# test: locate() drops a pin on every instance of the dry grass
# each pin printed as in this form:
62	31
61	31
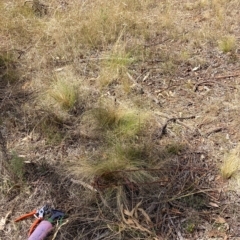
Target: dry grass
94	70
228	44
231	163
118	30
115	65
64	94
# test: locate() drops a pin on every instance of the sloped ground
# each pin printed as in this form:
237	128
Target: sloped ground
195	101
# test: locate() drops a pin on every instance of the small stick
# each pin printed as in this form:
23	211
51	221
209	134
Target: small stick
215	130
55	234
211	82
163	130
228	76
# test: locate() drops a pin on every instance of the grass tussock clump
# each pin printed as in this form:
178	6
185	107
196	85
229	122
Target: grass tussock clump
231	163
120	130
64	94
227	44
115	65
115	121
115	163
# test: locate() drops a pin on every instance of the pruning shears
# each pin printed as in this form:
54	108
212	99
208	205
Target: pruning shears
38	214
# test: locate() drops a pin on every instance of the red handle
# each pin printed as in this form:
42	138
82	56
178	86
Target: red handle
34	225
25	216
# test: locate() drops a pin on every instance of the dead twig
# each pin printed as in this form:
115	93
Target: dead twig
228	76
212	82
193	193
215	130
163	130
22	52
55	234
207	83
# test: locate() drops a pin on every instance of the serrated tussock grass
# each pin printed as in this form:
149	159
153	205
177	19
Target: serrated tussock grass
231	163
117	120
120	130
227	44
112	161
63	93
